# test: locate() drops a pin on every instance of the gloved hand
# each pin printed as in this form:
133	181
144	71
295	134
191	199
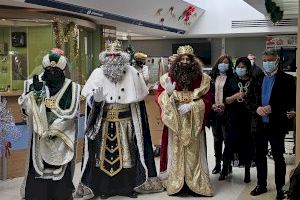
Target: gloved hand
98	95
185	108
169	86
37	85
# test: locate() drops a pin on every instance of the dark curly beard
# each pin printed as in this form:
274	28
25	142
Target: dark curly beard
185	74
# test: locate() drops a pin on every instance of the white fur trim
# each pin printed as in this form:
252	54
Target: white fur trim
62	62
133	85
138	130
71	112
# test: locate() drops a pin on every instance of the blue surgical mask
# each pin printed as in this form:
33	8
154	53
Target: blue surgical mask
241	71
223	67
269	66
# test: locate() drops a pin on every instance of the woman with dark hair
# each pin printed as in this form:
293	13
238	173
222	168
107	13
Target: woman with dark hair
238	116
222	79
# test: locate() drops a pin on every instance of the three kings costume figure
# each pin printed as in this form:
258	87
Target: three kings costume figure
118	155
184	98
50	102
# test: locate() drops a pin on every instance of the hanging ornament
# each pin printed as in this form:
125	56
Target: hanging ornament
162	21
158	12
171	11
187	13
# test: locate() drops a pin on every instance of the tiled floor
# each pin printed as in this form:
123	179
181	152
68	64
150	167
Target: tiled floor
231	189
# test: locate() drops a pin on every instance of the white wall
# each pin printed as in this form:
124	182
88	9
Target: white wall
160	48
235	46
242	46
219	14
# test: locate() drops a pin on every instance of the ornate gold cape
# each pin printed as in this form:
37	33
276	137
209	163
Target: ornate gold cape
188	162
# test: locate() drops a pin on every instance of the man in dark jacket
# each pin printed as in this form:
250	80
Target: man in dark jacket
274	96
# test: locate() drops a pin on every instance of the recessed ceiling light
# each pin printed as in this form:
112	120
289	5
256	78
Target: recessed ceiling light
164	36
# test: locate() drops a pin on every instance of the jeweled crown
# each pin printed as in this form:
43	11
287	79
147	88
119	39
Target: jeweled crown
187	49
112	46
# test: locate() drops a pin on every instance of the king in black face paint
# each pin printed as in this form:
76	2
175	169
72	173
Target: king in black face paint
54	78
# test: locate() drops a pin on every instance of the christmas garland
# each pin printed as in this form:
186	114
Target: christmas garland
275	13
65	32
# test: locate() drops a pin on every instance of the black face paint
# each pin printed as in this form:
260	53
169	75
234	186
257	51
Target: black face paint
139	63
54	78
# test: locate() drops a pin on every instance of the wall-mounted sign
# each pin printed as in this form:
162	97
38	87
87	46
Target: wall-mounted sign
18	39
281	41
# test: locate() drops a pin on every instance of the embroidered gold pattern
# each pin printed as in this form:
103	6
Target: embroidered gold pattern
50	102
187	139
111	157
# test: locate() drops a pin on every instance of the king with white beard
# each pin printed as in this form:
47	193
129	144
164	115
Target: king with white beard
116	160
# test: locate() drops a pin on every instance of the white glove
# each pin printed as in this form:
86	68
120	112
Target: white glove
98	95
145	73
184	108
169	86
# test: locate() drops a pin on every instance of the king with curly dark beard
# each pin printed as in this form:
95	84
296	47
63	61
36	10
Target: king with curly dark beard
184	97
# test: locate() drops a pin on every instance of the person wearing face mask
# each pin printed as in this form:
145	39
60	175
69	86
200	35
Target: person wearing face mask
51	103
255	70
273	97
222	77
184	98
140	59
238	117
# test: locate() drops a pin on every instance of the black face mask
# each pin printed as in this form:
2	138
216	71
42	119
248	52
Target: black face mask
139	63
54	78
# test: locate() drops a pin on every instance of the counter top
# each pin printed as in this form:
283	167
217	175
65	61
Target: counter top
11	93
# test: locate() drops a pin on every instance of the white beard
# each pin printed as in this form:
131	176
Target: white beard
114	73
114	69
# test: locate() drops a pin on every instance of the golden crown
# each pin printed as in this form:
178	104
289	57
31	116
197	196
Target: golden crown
140	56
112	46
187	49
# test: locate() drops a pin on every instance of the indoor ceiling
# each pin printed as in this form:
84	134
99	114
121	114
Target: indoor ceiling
289	7
145	11
136	13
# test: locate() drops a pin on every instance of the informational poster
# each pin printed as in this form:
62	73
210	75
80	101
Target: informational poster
281	41
157	66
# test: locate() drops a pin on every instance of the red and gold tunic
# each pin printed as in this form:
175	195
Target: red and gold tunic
183	152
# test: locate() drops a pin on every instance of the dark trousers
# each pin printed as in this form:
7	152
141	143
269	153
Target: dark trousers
276	139
218	129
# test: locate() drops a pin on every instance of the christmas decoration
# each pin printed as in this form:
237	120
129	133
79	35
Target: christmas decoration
275	13
8	129
162	21
187	14
171	11
64	32
158	12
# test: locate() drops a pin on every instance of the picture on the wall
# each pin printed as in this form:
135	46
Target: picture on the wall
19	66
18	39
